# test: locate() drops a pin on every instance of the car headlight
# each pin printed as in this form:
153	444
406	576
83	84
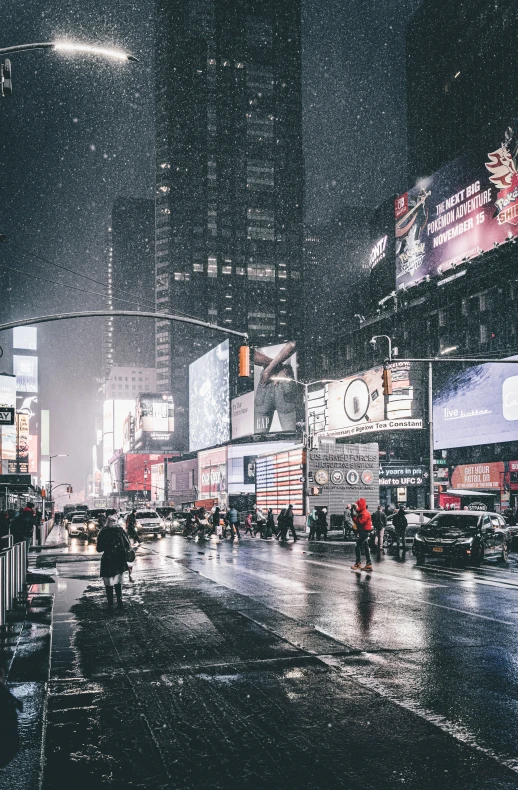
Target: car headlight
91	525
176	523
465	542
418	537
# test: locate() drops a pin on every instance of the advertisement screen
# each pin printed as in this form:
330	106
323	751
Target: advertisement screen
8	433
356	405
26	371
25	337
209	399
458	213
137	470
155	416
477	405
212	475
277	402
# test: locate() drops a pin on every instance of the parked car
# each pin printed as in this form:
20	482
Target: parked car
150	523
76	525
463	536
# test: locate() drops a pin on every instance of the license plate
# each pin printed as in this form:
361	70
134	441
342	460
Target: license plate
438	549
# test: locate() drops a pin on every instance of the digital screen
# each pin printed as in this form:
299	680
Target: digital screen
458	213
209	399
477	405
25	337
357	405
155	415
277	403
26	371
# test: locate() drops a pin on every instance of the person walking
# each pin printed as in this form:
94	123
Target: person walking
270	524
348	522
249	526
114	544
379	522
322	523
400	524
288	524
131	527
312	523
281	526
363	522
22	526
260	520
215	519
233	522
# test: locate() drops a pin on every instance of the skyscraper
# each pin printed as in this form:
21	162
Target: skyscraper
129	342
229	177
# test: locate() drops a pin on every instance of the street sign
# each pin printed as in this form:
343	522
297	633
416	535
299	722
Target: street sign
6	415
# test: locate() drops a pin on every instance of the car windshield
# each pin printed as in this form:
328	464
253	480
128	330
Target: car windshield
78	518
147	514
447	522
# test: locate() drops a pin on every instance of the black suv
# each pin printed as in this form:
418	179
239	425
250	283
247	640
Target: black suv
463	536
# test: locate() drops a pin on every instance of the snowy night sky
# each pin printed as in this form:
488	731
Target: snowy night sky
79	132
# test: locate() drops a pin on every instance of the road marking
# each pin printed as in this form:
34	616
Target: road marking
376	574
275	581
464	611
456	731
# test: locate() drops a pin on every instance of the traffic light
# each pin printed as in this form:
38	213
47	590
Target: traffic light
6	78
69	490
244	361
43	493
387	381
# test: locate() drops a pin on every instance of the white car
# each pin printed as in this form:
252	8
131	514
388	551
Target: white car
150	523
76	525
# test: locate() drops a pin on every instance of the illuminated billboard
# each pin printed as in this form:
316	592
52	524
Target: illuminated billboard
277	403
209	399
114	415
461	211
154	419
25	369
356	404
25	337
8	433
137	470
476	405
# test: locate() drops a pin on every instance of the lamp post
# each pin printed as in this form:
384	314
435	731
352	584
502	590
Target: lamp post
389	340
59	455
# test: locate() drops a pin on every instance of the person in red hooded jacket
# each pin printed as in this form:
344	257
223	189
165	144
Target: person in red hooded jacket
363	522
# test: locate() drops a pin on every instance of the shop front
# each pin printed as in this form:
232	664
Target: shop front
483	486
212	476
403	483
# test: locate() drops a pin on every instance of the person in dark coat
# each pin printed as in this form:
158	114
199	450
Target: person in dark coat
400	524
288	523
270	524
322	523
113	542
131	527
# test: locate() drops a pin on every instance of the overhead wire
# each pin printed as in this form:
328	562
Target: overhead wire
86	277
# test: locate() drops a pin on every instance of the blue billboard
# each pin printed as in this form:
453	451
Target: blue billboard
476	405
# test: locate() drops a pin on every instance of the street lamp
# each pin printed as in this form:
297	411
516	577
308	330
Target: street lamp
65	47
389	339
71	47
59	455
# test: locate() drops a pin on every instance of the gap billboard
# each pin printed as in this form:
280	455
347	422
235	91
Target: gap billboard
458	213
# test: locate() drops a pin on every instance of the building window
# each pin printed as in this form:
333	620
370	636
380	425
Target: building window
226	269
464	307
197	267
212	266
482	302
442	317
261	224
483	333
260	175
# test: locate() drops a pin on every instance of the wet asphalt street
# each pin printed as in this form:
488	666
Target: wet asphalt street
257	665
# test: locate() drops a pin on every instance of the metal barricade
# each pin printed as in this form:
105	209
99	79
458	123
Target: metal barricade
17	575
24	564
3	591
8	555
6	541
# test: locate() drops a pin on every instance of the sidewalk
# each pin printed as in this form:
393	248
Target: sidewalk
195	686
